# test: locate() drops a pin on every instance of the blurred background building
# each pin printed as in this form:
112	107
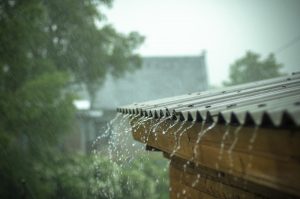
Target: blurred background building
158	77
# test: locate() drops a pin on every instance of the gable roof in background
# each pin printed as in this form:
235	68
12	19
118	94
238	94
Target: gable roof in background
158	77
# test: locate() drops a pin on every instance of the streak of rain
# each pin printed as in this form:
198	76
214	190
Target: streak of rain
230	150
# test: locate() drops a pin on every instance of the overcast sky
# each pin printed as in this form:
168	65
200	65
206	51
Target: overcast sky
226	29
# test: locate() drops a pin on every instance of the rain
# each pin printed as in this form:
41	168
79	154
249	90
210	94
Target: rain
149	99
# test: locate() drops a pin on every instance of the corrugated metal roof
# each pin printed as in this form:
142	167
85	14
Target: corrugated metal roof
274	102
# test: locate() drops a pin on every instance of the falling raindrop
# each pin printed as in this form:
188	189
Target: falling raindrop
176	137
177	145
195	149
160	122
222	145
236	138
200	135
106	132
197	180
250	154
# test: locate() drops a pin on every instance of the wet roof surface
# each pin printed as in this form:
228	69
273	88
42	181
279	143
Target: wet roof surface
274	103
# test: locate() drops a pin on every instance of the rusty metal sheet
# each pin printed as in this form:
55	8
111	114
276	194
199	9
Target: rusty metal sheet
274	103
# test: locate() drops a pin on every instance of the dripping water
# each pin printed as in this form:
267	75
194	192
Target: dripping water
140	121
172	125
114	139
250	146
250	154
222	145
146	130
121	150
133	118
195	149
200	135
111	132
106	132
177	145
153	129
177	137
232	146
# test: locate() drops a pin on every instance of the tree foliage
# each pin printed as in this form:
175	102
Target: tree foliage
250	68
46	46
89	52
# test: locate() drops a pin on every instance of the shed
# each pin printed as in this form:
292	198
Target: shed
237	142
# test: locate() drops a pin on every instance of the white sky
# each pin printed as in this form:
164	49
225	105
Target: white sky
224	28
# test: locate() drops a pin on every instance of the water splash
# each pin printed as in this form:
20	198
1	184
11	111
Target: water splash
133	118
124	154
112	153
106	133
118	140
121	147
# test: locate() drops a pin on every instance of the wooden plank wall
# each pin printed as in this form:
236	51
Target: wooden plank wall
266	157
190	184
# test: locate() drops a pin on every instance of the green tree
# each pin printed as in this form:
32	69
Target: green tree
46	46
89	51
250	68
